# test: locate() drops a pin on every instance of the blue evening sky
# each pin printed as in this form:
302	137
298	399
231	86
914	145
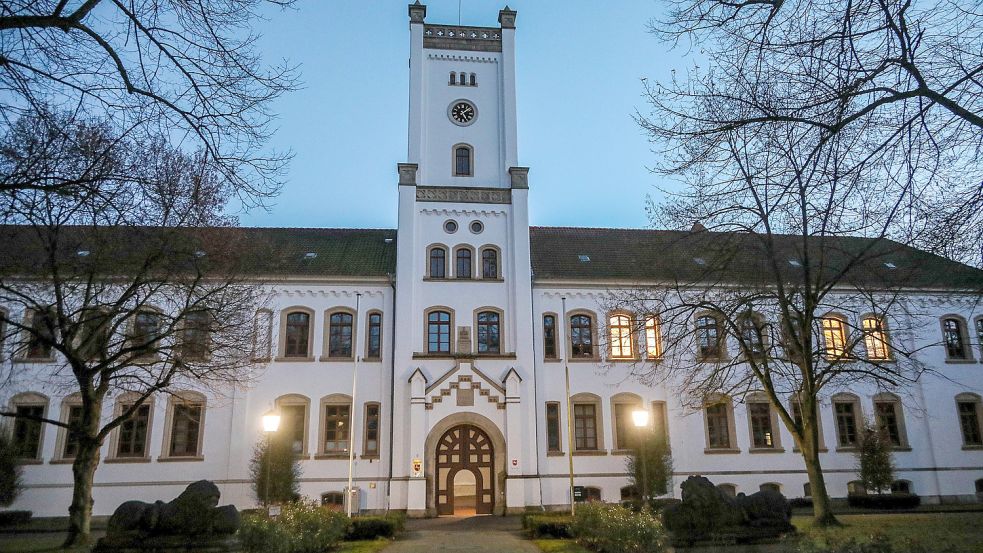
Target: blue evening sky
578	71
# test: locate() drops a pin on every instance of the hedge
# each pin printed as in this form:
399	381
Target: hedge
11	518
372	527
552	526
885	501
301	527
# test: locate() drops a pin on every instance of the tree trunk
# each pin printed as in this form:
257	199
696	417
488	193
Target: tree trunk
80	511
822	512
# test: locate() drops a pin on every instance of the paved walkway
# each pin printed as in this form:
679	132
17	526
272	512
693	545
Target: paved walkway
479	534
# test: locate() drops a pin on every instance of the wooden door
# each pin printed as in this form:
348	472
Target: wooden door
465	447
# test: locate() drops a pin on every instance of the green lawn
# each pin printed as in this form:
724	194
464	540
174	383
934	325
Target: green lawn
961	531
559	546
366	546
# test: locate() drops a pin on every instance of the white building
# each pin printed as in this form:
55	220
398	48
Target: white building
462	340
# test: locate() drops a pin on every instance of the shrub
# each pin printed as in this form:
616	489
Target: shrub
875	464
372	527
275	470
885	501
525	517
609	529
548	526
651	452
302	527
800	502
10	483
11	518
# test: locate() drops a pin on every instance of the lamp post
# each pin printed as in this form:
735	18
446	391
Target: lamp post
641	419
271	423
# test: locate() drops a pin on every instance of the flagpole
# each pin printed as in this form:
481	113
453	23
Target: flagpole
351	415
566	369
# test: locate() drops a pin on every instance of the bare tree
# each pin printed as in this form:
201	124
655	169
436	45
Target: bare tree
188	71
129	282
905	78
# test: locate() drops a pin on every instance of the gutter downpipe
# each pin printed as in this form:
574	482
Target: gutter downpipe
392	393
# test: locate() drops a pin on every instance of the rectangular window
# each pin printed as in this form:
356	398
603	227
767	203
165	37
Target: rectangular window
40	336
27	432
834	335
185	430
846	423
293	425
93	338
340	335
969	421
625	432
337	422
133	432
718	427
875	339
581	336
762	433
553	427
489	332
463	268
194	335
619	327
297	334
146	331
71	446
439	332
371	445
374	346
887	420
709	338
653	338
549	336
585	426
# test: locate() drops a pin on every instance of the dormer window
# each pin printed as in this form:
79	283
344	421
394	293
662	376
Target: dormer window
463	160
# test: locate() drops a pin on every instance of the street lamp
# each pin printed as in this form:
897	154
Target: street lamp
641	419
271	423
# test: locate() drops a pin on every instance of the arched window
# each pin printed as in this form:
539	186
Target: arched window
875	338
771	486
294	412
41	334
653	337
195	335
145	331
340	335
729	489
587	434
438	262
489	332
709	338
979	334
474	80
27	436
463	160
581	336
453	79
834	336
439	332
370	437
68	438
262	331
970	419
336	423
489	263
549	336
752	330
463	263
132	437
763	421
625	433
890	418
185	426
954	338
719	416
373	338
297	335
463	79
620	335
846	411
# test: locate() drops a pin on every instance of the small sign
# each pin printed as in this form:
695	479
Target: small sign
417	468
579	494
273	510
515	462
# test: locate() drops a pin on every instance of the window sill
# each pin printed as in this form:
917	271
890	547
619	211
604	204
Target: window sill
590	453
124	460
766	450
973	447
721	451
960	361
34	360
262	359
454	279
329	359
623	359
294	359
189	458
722	359
821	450
64	461
372	360
584	360
555	454
372	457
846	449
29	461
420	355
901	448
551	360
620	452
331	456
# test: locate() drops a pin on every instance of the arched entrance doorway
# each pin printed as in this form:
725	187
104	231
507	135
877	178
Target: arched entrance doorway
465	472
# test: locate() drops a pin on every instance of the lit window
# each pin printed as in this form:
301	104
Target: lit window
337	425
953	337
373	348
625	433
489	263
340	335
875	338
489	332
463	268
581	337
297	334
439	332
462	159
619	327
834	336
653	337
549	336
438	263
709	338
762	433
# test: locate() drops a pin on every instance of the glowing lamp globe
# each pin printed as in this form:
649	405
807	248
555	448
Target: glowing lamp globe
271	421
640	418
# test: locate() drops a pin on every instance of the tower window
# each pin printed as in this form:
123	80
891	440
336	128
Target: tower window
463	79
453	79
463	160
474	80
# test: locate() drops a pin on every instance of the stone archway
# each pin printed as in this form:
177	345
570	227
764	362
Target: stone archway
497	459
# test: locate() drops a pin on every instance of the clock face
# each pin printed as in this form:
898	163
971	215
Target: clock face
463	112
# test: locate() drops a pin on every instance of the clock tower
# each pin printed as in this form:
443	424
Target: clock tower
463	355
